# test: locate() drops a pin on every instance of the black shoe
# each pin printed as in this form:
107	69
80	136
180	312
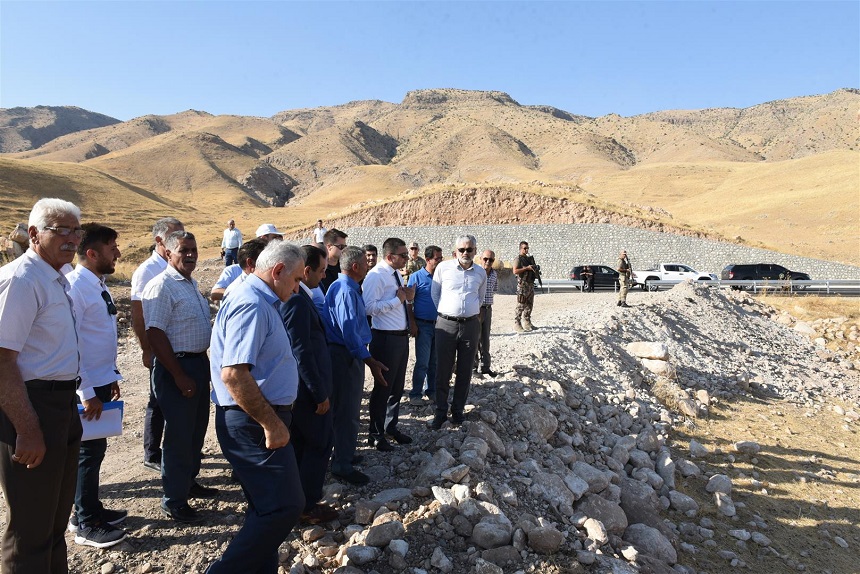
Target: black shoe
184	514
618	304
199	491
358	459
353	477
153	465
400	437
112	517
436	423
624	304
489	372
102	535
458	419
319	514
380	442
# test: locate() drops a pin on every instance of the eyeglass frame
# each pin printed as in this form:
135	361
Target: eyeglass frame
65	231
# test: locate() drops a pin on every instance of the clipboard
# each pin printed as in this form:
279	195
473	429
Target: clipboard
110	423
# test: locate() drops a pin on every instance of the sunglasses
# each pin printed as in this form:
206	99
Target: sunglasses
111	308
66	231
466	249
489	259
341	247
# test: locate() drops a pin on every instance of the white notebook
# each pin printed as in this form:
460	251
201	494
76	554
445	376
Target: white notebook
109	424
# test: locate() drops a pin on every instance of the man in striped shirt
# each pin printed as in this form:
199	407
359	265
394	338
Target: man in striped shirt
482	355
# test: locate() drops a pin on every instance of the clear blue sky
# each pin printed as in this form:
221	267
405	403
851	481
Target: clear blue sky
127	59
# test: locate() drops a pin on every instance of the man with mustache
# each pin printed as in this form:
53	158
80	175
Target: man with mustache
40	429
95	311
178	330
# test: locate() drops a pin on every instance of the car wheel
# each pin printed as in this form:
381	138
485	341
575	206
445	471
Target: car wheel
649	286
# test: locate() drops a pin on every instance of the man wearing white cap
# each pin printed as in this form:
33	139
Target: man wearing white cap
268	231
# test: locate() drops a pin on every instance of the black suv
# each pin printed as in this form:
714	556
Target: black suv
758	271
603	276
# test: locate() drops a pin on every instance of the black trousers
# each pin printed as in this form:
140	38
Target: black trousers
39	499
384	406
312	438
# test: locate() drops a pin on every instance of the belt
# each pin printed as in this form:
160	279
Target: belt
485	306
400	333
456	319
185	355
276	408
43	385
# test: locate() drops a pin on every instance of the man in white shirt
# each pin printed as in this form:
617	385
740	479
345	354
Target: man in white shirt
319	232
40	430
153	422
458	290
230	243
95	312
389	304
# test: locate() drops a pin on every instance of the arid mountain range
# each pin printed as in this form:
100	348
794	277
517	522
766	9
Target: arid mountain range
783	174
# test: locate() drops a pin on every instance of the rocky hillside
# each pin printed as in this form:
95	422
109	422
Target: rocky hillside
22	129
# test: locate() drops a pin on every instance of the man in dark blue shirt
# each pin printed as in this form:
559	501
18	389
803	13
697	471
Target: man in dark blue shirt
348	335
425	316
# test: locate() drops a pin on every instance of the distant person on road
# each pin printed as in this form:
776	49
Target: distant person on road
153	422
424	370
254	385
482	356
230	243
335	243
625	272
95	313
40	429
319	232
525	269
588	279
459	287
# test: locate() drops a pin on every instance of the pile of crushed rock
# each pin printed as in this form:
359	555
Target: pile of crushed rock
564	458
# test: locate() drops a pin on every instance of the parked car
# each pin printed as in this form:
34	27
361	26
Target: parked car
760	271
603	276
667	272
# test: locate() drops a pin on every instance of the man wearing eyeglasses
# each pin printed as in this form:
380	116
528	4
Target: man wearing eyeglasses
95	312
482	356
525	269
40	429
389	303
459	287
335	242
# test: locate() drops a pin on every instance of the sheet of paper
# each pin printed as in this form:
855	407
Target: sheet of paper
109	424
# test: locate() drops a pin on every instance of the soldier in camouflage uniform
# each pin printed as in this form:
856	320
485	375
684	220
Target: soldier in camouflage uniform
625	273
525	269
414	263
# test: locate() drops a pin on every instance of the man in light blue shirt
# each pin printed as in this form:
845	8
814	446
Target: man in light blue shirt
425	317
254	383
348	335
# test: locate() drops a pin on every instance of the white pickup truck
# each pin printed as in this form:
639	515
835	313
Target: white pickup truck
667	272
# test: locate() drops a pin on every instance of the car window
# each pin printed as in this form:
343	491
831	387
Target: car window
685	268
606	270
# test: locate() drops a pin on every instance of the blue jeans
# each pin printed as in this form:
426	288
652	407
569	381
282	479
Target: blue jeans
185	422
425	360
88	507
231	256
270	480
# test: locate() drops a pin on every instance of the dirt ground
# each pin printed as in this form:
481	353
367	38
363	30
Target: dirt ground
804	484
